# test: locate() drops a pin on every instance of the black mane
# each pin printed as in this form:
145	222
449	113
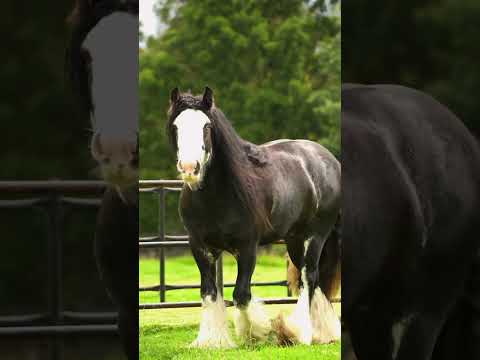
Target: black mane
238	158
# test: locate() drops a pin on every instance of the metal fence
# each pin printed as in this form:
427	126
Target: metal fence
56	322
162	240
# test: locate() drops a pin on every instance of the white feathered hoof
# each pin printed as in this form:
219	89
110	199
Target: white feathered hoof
297	327
252	322
325	323
213	326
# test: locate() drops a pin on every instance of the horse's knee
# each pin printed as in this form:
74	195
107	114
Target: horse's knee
208	289
241	296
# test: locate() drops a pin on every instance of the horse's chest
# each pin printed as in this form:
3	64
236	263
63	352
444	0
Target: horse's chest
216	222
226	225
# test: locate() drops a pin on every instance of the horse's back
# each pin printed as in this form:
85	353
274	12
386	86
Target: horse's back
306	181
318	161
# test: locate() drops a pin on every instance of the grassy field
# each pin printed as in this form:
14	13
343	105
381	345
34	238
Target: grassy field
165	334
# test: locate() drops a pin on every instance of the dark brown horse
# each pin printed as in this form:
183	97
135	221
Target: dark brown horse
239	195
410	227
102	64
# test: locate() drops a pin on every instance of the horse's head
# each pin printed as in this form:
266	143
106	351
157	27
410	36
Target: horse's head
190	132
103	61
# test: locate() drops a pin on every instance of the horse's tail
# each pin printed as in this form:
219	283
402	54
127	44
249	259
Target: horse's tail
329	267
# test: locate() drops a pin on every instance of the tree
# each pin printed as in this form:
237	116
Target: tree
274	68
428	45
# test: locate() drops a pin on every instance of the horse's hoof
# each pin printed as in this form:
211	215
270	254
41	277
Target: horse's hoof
290	332
296	327
326	325
252	323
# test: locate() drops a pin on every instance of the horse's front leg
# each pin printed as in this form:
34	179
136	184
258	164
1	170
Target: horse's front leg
251	320
213	331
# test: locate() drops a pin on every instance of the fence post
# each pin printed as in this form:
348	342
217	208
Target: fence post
161	236
289	292
219	272
55	273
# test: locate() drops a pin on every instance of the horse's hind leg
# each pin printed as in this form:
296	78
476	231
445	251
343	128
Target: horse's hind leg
326	326
213	331
251	320
313	318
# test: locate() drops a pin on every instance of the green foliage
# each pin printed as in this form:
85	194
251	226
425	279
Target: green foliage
428	45
45	136
274	68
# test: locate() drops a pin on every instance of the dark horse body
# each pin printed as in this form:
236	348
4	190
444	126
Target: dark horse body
93	23
116	252
411	217
251	195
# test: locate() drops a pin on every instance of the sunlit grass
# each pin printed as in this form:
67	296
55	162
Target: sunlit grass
165	334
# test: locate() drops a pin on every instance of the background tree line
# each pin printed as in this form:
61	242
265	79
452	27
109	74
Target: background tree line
44	136
274	68
430	45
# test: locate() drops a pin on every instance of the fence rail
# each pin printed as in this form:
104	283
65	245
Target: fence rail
53	198
162	241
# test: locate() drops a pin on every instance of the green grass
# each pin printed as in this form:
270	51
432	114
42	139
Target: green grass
165	334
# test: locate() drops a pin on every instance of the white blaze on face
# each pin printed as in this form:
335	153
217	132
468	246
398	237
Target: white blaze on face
113	48
190	126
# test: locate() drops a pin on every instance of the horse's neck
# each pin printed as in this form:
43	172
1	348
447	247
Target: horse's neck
217	179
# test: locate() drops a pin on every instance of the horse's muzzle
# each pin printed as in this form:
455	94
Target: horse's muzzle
190	173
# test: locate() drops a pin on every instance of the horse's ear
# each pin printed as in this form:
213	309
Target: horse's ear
174	96
207	99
